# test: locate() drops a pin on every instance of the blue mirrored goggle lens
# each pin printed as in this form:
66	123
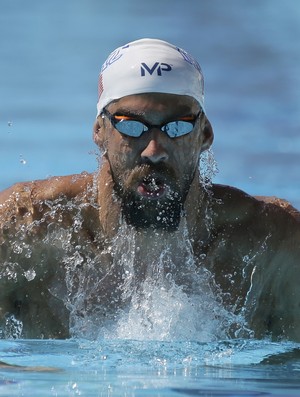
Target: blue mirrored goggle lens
178	128
135	128
132	128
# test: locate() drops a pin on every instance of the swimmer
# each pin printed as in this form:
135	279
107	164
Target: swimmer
151	128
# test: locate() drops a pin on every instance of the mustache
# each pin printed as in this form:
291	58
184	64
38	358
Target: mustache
160	171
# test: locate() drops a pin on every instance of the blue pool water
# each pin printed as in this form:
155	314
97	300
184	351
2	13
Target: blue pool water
51	54
138	368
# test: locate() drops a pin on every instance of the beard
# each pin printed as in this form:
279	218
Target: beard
160	213
164	214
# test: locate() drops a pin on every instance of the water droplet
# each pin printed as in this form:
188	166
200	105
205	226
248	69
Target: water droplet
12	328
30	274
22	160
10	124
28	254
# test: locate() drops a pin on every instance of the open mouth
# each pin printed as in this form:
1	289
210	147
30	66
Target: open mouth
152	188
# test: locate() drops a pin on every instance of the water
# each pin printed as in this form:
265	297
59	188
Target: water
51	53
150	368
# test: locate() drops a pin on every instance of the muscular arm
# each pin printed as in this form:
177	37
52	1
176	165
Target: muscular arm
274	296
30	260
261	250
49	189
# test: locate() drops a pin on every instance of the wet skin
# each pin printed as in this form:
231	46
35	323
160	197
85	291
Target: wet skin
147	167
251	245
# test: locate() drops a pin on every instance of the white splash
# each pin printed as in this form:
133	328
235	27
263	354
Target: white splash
160	299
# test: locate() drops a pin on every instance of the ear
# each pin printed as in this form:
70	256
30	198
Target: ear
98	133
208	134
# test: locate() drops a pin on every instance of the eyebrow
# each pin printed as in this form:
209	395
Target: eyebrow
141	115
129	113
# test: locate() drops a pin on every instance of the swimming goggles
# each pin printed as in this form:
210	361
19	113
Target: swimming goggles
135	128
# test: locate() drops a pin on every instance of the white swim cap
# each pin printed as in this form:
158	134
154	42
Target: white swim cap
149	65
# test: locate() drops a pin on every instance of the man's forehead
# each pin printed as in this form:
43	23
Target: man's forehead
169	103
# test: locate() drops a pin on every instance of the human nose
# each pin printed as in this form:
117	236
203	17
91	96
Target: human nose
155	149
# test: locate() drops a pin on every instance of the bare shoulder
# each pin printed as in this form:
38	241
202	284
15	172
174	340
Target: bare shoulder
23	196
234	204
281	203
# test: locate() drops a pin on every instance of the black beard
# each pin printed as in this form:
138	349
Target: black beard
163	214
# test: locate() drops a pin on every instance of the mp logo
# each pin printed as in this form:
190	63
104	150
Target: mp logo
158	67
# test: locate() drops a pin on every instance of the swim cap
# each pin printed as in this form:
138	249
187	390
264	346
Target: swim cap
149	65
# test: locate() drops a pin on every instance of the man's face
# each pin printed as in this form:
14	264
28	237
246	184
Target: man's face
152	173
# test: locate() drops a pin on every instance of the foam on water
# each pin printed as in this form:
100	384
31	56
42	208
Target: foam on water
157	300
162	299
